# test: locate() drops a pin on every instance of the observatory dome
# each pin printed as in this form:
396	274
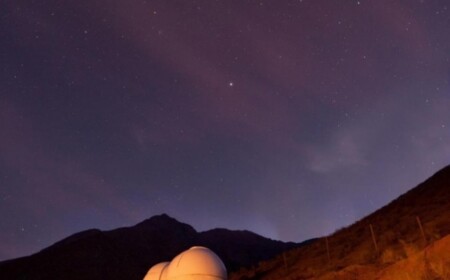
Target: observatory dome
197	263
157	271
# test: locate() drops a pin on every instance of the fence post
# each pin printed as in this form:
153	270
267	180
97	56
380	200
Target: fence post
374	239
421	230
285	262
328	249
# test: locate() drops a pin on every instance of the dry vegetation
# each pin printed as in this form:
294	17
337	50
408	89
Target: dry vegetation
399	239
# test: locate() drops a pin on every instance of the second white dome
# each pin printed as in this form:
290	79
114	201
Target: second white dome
197	263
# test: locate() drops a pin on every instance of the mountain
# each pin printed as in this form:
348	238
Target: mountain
407	239
127	253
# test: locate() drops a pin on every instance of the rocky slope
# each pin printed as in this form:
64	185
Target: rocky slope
431	263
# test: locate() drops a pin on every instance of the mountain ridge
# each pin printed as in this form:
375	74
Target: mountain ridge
128	252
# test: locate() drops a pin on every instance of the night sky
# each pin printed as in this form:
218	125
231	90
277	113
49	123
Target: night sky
287	118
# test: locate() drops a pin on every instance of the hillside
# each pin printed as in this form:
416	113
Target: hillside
431	263
352	251
127	253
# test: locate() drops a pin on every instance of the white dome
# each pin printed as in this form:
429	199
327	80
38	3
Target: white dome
197	263
157	271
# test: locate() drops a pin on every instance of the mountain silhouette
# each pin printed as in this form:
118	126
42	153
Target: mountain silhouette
128	253
407	239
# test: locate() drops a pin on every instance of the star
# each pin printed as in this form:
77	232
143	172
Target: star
231	84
